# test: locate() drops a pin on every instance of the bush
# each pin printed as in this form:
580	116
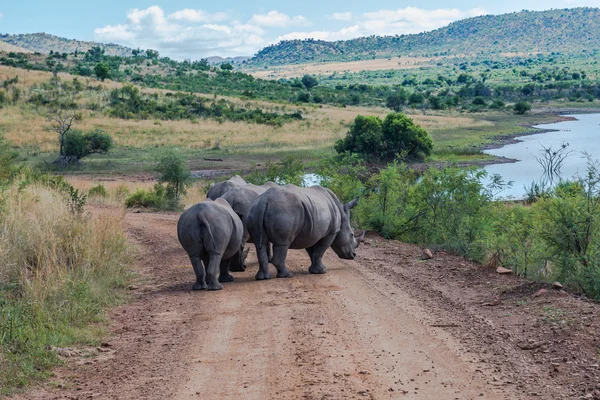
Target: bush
522	107
98	190
175	174
396	135
155	198
79	145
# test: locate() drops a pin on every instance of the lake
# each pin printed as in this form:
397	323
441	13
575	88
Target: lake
582	135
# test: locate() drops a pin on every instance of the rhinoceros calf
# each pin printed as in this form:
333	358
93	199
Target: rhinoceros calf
219	189
291	217
211	233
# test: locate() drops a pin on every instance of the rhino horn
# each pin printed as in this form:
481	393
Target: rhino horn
361	237
351	204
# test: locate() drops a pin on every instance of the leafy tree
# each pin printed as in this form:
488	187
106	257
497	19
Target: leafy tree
402	135
102	71
79	145
397	134
303	97
152	54
226	67
364	137
309	81
522	107
175	174
396	100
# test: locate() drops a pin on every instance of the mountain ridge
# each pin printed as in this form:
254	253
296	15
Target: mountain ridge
42	42
570	29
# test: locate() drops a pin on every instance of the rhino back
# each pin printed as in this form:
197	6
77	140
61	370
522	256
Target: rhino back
298	217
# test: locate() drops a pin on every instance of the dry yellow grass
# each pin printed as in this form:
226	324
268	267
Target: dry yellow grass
293	71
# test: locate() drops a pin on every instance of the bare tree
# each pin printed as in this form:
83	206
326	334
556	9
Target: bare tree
61	122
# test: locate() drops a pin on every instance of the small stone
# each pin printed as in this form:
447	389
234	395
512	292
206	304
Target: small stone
427	255
132	287
557	285
539	293
363	372
503	271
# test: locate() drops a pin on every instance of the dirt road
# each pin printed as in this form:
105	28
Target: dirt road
384	326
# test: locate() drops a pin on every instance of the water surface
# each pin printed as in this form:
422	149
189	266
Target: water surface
582	135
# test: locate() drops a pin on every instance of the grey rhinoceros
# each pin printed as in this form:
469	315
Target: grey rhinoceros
219	189
211	233
240	199
291	217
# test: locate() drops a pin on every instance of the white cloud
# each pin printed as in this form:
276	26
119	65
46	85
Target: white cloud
188	14
185	33
275	19
341	16
390	22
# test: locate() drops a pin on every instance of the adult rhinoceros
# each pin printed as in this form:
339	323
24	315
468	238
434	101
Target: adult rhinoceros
219	189
291	217
211	233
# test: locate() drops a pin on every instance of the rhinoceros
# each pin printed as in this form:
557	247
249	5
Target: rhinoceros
291	217
219	189
241	198
211	233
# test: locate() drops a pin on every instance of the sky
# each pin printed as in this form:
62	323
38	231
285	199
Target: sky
187	29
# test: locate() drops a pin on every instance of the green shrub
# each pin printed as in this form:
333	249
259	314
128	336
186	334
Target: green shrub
522	107
98	190
175	174
79	145
155	198
288	170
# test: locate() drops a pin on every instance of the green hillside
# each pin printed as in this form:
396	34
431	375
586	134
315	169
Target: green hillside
567	30
44	43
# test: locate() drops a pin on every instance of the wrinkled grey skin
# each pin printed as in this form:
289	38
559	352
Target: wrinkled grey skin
219	189
240	199
291	217
211	233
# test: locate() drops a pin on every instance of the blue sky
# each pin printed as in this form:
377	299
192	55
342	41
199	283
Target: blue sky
194	29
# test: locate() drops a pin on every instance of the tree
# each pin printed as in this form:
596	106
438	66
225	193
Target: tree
364	137
78	144
402	135
174	173
309	81
396	100
61	122
152	53
384	140
226	67
102	71
522	107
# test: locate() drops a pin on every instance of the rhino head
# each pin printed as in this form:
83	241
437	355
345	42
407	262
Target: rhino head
345	243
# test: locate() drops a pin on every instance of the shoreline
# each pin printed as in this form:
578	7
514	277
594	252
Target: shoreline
504	140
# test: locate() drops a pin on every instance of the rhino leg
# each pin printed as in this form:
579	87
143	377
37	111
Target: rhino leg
279	256
225	276
199	271
316	255
263	261
211	272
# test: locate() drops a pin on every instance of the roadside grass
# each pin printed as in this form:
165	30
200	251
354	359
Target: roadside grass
59	270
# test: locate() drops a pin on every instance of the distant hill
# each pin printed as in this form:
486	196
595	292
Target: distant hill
44	43
218	59
567	30
7	47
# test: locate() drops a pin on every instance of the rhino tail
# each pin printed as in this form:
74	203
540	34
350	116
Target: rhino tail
261	218
203	221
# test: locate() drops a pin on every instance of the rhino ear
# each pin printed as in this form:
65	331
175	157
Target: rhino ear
351	205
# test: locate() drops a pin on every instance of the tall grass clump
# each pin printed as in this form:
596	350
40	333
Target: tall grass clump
60	266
